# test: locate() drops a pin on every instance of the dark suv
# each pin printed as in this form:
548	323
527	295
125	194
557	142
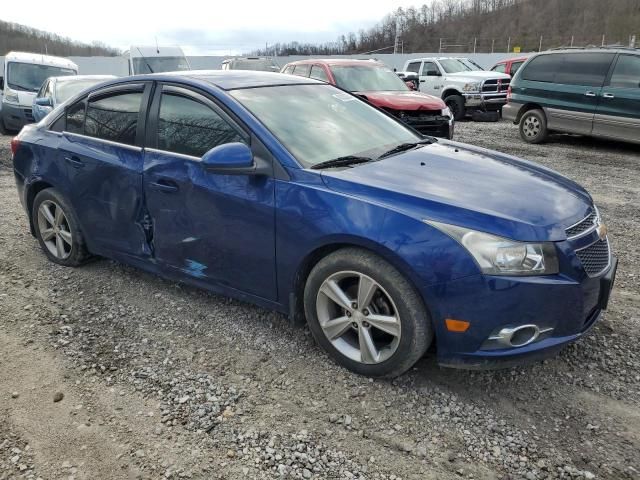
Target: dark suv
593	91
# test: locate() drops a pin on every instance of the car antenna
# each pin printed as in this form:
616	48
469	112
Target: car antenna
157	48
145	60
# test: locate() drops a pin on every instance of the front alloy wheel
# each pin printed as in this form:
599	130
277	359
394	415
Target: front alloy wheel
365	314
358	317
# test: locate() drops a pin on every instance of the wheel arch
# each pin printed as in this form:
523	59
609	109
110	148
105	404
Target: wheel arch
33	189
447	92
527	107
311	259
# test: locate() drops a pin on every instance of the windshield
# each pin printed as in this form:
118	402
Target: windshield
453	65
260	65
29	77
365	78
67	89
471	64
159	64
317	123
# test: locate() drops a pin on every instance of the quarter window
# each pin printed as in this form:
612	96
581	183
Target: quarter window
114	117
318	73
75	117
627	72
189	127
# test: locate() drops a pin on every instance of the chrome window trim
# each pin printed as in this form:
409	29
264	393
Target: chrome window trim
175	154
108	142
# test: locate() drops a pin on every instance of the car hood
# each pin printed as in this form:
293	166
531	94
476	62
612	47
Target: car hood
477	75
472	187
403	100
25	99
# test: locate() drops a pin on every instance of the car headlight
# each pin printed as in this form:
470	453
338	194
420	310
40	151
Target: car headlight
11	96
446	112
501	256
471	87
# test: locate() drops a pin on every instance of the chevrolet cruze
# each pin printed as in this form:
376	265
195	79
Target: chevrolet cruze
299	197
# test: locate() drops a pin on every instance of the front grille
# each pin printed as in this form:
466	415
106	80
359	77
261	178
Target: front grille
582	226
595	257
495	86
425	121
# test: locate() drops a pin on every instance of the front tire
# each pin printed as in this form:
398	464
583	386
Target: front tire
57	229
457	106
365	314
533	126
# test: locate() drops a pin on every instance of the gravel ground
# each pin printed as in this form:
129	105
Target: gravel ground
109	372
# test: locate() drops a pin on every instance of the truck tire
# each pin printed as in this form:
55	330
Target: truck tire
456	105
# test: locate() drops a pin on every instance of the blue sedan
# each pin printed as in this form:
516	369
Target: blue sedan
297	196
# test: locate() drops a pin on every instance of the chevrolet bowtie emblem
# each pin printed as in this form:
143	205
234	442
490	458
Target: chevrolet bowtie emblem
602	231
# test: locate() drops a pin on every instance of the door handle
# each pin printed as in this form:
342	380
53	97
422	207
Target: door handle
74	161
167	186
590	94
609	96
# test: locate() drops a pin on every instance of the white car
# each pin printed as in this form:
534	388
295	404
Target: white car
463	89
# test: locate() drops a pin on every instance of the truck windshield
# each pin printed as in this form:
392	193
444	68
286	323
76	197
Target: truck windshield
29	77
260	65
453	65
159	64
317	123
363	78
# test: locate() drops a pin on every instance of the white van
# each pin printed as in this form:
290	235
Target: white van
22	76
143	59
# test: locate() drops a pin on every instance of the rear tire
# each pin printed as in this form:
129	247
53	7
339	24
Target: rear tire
57	229
533	126
365	314
457	106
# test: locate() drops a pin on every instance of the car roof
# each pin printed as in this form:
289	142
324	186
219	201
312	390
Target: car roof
514	59
339	61
229	79
605	49
75	78
40	59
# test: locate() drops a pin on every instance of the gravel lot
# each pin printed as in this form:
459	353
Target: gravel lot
160	380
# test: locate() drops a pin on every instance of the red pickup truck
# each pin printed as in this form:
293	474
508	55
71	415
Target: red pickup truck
380	86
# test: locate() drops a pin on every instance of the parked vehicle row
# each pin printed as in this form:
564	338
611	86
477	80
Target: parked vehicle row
291	193
379	85
462	87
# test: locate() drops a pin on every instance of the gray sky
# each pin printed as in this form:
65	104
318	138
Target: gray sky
222	27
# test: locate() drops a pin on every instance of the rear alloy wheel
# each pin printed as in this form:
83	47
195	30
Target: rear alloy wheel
57	229
365	314
533	126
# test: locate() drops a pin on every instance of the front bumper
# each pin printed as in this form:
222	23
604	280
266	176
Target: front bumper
570	308
510	111
485	101
16	116
428	124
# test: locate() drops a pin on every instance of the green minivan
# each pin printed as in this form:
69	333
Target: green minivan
590	91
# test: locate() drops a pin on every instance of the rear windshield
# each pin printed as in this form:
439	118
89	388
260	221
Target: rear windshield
261	65
586	69
67	89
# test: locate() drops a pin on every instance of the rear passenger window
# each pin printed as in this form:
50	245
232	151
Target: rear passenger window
588	69
114	117
318	73
301	70
585	69
189	127
75	117
414	67
626	73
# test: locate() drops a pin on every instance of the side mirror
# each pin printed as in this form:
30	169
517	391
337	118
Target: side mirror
411	84
44	102
233	159
433	73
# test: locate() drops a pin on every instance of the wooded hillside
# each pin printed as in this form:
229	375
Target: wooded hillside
488	25
26	39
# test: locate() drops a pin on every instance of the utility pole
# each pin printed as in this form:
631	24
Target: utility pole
540	47
475	43
632	41
509	45
440	47
493	42
603	40
396	42
572	40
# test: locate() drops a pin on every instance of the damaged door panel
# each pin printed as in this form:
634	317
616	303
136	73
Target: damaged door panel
214	227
